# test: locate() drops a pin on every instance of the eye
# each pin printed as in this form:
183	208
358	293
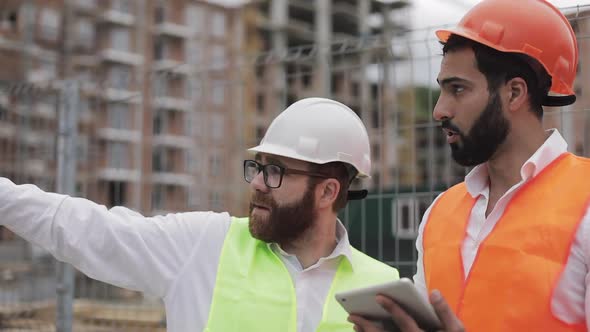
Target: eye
456	88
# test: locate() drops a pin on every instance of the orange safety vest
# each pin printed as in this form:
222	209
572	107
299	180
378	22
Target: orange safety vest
518	265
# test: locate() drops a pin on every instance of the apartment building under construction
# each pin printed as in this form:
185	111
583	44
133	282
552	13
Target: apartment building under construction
153	112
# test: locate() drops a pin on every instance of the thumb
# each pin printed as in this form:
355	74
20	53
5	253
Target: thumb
444	312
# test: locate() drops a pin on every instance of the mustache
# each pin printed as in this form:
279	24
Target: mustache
259	198
447	124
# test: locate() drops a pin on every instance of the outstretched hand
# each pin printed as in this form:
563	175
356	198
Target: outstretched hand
450	322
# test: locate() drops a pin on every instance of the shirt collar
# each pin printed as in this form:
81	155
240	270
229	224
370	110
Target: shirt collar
554	146
342	246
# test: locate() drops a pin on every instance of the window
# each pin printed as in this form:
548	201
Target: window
8	20
84	112
216	201
117	192
160	51
120	39
193	199
405	216
118	156
375	117
120	77
158	197
259	133
159	160
3	114
193	89
49	22
87	4
192	53
84	76
376	149
218	60
49	152
83	143
188	124
160	13
215	165
217	93
260	103
85	33
160	87
218	24
194	18
407	213
119	116
159	123
190	162
121	5
217	126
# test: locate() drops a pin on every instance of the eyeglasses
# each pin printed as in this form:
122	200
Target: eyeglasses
272	174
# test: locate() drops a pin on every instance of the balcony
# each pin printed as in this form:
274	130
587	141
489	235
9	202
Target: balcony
85	6
38	138
117	17
46	111
118	95
173	66
89	88
119	56
172	103
36	167
172	29
300	29
84	60
173	179
174	141
117	134
118	174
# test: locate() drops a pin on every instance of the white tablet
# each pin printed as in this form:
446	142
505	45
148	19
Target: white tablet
361	301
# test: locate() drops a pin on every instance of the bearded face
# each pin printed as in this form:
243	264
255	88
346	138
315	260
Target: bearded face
271	222
484	138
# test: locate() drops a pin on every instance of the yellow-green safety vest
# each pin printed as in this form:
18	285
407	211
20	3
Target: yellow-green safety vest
254	291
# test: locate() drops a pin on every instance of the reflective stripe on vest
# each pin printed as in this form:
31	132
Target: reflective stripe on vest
511	282
254	291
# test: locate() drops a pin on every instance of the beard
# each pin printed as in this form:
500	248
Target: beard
485	136
283	224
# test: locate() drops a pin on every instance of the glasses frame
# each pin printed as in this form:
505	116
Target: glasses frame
283	170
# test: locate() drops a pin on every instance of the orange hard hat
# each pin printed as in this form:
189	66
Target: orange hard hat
532	27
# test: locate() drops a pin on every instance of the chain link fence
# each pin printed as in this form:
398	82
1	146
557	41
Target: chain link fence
193	127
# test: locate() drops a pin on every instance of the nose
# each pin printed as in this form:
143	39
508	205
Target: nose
257	184
442	109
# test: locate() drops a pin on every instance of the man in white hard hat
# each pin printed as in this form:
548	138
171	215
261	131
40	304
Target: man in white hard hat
277	270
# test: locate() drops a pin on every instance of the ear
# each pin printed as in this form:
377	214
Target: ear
327	192
518	94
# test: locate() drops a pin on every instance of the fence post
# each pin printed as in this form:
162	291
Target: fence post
66	184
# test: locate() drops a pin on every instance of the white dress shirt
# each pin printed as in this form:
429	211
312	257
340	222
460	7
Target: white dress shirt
570	302
173	257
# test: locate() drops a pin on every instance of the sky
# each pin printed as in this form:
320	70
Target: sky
427	13
450	8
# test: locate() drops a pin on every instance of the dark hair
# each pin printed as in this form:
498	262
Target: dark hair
339	171
500	67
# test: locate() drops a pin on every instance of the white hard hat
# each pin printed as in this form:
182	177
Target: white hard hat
320	131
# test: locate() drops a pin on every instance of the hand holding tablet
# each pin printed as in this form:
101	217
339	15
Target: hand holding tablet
362	302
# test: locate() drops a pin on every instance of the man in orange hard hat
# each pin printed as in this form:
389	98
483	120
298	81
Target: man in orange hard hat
507	249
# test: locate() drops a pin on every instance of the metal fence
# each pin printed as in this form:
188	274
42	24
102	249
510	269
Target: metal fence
390	85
